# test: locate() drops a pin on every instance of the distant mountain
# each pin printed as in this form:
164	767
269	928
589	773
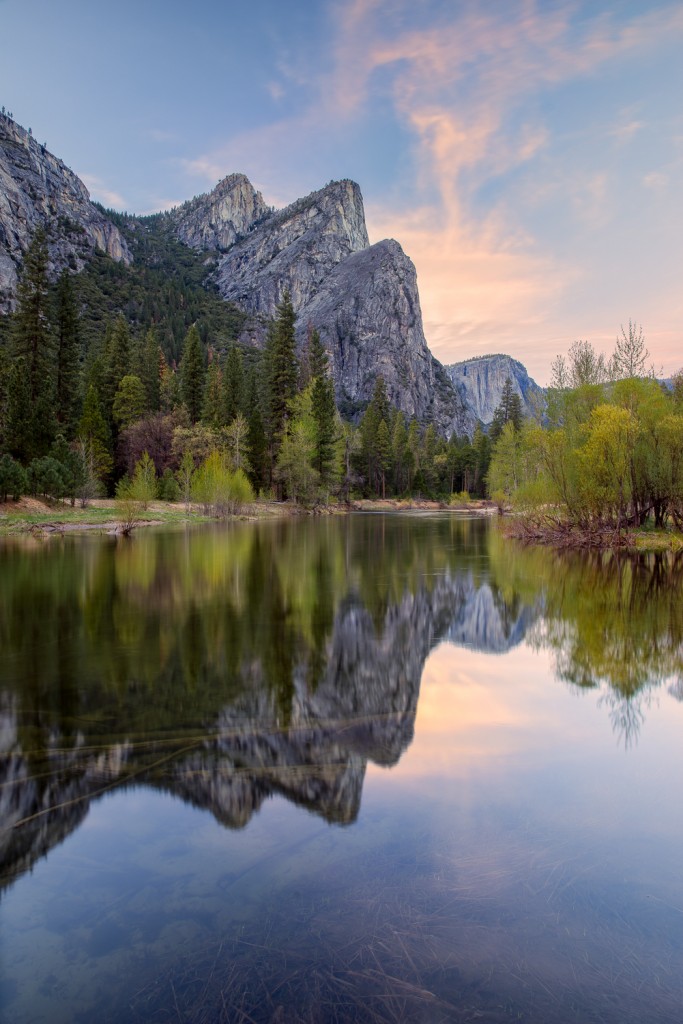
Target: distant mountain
363	299
480	382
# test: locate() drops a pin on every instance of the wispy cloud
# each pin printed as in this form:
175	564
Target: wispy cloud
102	193
458	88
626	131
463	86
656	180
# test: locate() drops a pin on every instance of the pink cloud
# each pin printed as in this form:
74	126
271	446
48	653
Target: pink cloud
485	281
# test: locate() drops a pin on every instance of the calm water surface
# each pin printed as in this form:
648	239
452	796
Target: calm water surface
365	769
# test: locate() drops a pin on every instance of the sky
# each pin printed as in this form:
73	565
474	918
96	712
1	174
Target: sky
527	154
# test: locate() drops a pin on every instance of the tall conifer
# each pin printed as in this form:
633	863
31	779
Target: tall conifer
282	366
67	356
33	343
192	373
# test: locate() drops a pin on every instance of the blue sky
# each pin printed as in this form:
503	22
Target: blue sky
527	155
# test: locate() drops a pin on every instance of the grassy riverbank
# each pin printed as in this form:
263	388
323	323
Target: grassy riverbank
30	515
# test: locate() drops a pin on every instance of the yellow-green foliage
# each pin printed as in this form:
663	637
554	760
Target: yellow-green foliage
221	490
612	456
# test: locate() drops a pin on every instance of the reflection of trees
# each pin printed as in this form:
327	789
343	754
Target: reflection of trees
227	664
609	618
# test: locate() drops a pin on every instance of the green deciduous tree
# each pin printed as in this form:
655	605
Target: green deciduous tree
237	434
630	354
221	490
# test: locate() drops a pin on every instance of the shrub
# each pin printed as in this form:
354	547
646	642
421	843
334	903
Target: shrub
221	491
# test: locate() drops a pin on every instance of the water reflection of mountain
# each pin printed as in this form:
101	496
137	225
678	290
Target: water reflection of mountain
300	714
483	621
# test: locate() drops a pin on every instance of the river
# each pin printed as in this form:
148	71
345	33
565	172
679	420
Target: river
373	768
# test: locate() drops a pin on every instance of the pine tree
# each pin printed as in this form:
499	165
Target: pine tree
33	343
32	339
509	410
169	386
117	360
212	410
19	420
429	453
399	443
130	401
5	369
192	374
93	430
282	367
383	454
481	451
68	355
324	414
150	370
378	410
257	441
314	359
233	385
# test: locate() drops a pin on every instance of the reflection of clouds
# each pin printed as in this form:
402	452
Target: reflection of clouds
476	711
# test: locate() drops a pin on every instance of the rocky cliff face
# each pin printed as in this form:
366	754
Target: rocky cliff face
217	220
368	313
480	383
363	299
294	250
37	189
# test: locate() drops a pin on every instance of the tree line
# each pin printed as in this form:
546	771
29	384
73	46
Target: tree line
86	412
606	456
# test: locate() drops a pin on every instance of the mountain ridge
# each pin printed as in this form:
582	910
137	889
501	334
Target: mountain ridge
363	298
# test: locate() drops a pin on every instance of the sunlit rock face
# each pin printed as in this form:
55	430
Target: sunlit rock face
38	190
363	299
369	318
219	218
480	384
294	250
